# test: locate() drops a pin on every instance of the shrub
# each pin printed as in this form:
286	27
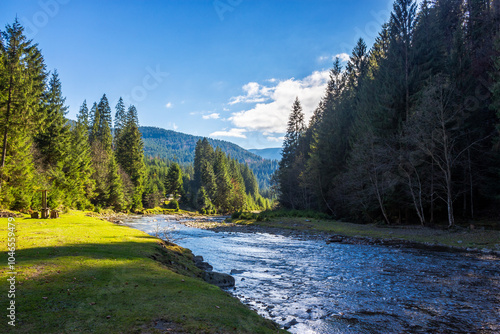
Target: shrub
173	205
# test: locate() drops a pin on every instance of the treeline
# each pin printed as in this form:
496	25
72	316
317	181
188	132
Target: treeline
180	147
222	184
408	131
81	165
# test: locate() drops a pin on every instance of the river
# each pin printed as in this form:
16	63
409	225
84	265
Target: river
339	288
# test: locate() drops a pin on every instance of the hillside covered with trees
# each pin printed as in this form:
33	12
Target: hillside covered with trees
408	130
82	166
180	147
98	160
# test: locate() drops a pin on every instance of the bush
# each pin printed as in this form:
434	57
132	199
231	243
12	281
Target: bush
173	205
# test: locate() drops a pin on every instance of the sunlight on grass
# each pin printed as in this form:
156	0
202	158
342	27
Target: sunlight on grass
83	274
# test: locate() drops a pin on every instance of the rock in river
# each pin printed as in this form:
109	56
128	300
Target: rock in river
219	279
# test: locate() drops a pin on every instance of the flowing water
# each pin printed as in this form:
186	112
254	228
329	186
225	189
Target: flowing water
338	288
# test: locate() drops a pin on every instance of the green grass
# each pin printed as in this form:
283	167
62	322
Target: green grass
82	274
460	237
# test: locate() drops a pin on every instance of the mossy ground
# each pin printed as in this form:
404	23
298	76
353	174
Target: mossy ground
87	275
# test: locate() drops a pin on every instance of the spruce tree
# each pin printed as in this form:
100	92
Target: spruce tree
120	120
53	140
22	77
222	198
287	174
173	181
79	163
130	154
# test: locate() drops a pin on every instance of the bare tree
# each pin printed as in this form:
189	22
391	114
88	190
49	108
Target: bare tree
435	129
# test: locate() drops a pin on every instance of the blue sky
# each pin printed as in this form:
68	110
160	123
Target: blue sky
227	69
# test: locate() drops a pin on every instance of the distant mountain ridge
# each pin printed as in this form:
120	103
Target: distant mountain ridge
179	147
273	153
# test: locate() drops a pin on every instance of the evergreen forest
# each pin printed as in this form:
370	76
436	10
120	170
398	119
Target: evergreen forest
407	130
96	162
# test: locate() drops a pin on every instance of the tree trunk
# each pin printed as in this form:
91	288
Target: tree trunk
7	116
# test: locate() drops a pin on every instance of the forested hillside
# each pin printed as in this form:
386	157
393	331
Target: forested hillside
408	130
180	147
81	165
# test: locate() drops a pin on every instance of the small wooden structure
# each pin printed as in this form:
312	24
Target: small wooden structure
45	209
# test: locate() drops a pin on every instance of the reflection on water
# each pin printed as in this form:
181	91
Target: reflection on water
341	288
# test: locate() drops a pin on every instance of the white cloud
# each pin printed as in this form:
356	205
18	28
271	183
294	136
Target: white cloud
174	126
254	93
344	57
169	105
211	116
275	139
272	116
236	133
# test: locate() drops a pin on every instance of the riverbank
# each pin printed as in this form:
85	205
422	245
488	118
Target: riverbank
85	274
459	239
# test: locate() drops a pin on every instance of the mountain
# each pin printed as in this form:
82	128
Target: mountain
179	147
268	153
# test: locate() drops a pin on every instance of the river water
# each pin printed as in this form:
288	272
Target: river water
340	288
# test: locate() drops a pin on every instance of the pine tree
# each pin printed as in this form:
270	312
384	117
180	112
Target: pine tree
94	124
107	176
53	140
223	181
130	154
105	123
208	179
83	117
22	78
79	162
115	198
173	181
295	129
403	20
120	120
287	174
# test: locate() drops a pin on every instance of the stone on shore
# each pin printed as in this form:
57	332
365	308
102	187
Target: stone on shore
219	279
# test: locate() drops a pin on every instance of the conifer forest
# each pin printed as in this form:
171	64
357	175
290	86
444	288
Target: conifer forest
408	130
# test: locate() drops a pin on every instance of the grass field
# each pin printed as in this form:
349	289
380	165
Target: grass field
80	274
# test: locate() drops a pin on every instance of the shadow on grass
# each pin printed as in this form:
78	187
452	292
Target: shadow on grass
119	287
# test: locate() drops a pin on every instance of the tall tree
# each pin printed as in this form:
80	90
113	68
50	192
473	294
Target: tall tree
287	175
120	119
403	19
130	154
23	82
223	181
173	181
78	163
53	140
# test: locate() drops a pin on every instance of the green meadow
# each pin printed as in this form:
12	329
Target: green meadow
79	274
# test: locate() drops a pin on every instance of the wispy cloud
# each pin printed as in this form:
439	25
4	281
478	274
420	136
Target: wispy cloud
211	116
275	139
272	116
169	105
236	133
344	57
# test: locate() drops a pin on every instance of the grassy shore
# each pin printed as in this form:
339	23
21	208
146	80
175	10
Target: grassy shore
87	275
477	239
